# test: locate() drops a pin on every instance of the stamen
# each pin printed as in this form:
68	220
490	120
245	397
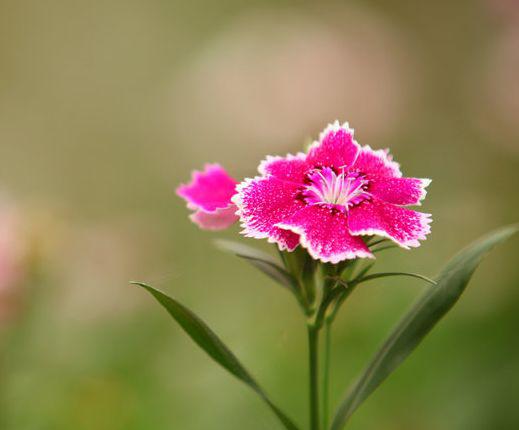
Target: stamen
341	189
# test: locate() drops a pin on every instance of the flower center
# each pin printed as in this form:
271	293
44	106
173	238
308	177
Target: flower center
325	186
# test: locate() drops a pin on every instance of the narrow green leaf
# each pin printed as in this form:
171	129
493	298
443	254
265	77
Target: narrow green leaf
421	318
241	249
262	261
206	339
376	241
384	274
383	248
363	271
273	271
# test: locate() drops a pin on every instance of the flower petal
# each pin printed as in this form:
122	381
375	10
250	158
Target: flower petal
219	219
290	168
399	191
379	163
404	226
336	147
262	203
208	190
324	233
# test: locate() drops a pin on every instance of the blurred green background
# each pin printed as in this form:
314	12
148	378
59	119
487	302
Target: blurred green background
105	106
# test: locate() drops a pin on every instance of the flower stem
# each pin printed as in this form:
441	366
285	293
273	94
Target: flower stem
326	371
313	346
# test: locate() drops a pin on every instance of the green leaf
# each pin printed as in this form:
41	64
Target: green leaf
421	318
383	248
364	270
206	339
262	261
376	241
384	274
241	249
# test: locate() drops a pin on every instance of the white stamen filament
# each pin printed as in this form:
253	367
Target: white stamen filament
337	189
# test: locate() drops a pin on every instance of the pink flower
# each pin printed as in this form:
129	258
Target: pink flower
327	199
209	195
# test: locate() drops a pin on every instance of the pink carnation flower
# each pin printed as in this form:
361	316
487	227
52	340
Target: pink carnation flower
328	198
209	195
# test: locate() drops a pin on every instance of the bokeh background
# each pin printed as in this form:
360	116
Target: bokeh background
105	106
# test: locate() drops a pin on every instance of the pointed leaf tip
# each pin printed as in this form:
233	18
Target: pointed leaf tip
207	340
419	321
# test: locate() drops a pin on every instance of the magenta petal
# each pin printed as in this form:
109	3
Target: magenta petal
208	190
404	226
219	219
399	191
262	203
378	163
336	147
290	168
324	233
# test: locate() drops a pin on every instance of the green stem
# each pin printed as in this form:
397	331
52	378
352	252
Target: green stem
326	371
313	346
